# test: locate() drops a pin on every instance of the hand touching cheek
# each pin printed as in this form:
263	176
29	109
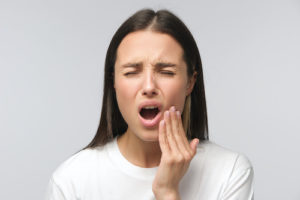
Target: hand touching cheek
177	154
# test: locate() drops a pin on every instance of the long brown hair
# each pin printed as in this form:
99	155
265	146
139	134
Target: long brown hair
194	114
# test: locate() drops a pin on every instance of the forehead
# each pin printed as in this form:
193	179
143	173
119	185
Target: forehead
149	46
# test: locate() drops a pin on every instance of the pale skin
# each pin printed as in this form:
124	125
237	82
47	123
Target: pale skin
156	71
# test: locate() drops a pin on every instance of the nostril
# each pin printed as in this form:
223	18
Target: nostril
149	92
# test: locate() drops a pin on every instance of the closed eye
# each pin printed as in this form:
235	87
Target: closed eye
162	72
167	72
130	73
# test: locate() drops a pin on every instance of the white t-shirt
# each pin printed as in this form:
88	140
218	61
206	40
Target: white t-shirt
215	173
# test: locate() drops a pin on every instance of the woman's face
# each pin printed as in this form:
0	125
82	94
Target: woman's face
150	77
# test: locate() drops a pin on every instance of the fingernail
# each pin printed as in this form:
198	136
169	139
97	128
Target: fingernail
173	108
167	113
178	113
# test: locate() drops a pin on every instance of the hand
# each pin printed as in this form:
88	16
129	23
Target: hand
177	154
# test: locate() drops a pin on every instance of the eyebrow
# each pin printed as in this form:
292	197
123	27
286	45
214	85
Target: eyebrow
164	64
134	65
158	65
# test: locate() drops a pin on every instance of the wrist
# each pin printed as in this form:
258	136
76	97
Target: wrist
166	195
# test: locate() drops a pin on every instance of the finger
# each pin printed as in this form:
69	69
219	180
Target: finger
170	136
176	132
162	137
174	123
194	143
183	134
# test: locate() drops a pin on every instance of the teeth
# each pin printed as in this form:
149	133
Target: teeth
150	107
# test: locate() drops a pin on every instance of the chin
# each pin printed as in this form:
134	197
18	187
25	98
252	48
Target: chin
149	136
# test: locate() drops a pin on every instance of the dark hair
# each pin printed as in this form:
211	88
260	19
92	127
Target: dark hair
194	116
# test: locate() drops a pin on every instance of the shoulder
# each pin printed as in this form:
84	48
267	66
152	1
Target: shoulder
78	165
217	172
217	155
69	178
220	163
233	170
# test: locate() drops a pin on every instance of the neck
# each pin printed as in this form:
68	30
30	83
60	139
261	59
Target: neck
141	153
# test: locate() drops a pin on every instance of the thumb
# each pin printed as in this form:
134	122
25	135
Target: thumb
194	143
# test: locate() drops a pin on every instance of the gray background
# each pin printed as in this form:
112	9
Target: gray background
51	77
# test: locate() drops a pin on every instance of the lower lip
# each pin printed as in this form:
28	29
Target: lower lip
150	123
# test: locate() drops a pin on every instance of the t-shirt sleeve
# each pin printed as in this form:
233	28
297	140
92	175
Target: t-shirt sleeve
54	192
58	191
240	182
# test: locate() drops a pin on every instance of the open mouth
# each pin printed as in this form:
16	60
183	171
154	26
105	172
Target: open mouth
149	112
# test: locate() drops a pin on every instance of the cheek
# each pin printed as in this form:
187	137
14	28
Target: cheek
125	94
123	91
175	94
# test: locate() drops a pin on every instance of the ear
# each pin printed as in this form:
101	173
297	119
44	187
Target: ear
191	83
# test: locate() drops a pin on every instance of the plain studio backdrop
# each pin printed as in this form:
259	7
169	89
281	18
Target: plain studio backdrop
51	81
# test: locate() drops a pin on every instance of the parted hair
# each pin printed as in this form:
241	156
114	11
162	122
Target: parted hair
194	115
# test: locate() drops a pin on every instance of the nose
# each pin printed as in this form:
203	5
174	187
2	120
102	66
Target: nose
149	84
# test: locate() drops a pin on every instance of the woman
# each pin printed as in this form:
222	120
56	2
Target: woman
152	141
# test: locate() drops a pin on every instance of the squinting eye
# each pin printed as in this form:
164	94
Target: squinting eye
168	73
129	73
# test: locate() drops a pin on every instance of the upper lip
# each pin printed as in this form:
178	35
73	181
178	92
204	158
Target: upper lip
150	103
